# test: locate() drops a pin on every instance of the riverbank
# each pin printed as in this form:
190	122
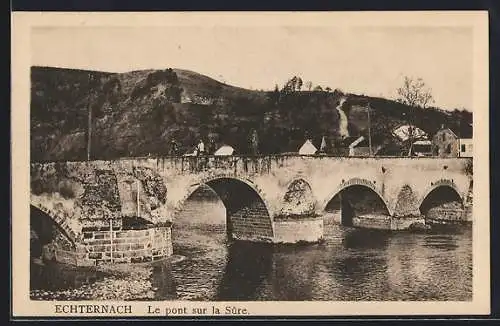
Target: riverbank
55	281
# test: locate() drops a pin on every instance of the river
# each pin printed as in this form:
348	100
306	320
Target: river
350	265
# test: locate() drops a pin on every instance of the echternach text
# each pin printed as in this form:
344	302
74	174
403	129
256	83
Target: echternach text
93	309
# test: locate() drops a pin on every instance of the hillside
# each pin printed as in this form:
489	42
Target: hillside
140	112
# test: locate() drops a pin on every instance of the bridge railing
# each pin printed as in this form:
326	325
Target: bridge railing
193	164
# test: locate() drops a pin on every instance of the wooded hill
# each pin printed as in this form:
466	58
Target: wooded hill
138	113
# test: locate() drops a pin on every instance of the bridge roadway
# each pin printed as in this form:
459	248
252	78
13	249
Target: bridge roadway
277	199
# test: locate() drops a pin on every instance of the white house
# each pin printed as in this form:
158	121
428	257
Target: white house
465	147
224	151
307	148
403	132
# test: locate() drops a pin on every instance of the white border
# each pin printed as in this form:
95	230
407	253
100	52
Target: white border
22	22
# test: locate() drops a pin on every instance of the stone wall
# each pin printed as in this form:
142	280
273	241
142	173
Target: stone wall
468	213
404	223
251	223
100	201
124	246
333	216
153	186
407	202
298	199
446	215
382	222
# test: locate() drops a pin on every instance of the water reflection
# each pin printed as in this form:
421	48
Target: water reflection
294	269
365	239
51	276
162	281
431	267
248	265
440	242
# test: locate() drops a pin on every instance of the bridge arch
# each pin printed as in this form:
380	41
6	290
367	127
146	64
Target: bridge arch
37	215
299	198
356	182
440	184
248	212
440	193
355	198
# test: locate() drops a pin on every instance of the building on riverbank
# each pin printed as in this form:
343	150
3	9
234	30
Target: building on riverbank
465	147
447	143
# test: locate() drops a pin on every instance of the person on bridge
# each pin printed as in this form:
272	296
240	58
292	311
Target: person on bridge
200	151
254	142
200	148
174	148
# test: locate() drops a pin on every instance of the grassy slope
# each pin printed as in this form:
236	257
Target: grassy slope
133	114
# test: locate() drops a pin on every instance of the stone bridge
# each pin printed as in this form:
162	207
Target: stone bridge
278	199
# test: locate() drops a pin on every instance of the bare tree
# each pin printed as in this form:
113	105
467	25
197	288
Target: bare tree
414	92
309	85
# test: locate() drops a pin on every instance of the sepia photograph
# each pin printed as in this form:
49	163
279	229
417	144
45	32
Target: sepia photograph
253	158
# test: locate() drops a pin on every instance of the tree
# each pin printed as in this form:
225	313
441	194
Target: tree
309	85
292	85
299	84
415	93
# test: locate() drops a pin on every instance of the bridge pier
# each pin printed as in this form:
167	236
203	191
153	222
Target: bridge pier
375	221
113	246
386	222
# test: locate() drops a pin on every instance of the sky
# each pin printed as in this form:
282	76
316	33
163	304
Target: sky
361	60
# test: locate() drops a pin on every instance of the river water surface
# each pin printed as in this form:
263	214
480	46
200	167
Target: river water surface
351	264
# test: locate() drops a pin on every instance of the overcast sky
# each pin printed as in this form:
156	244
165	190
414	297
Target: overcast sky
361	60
